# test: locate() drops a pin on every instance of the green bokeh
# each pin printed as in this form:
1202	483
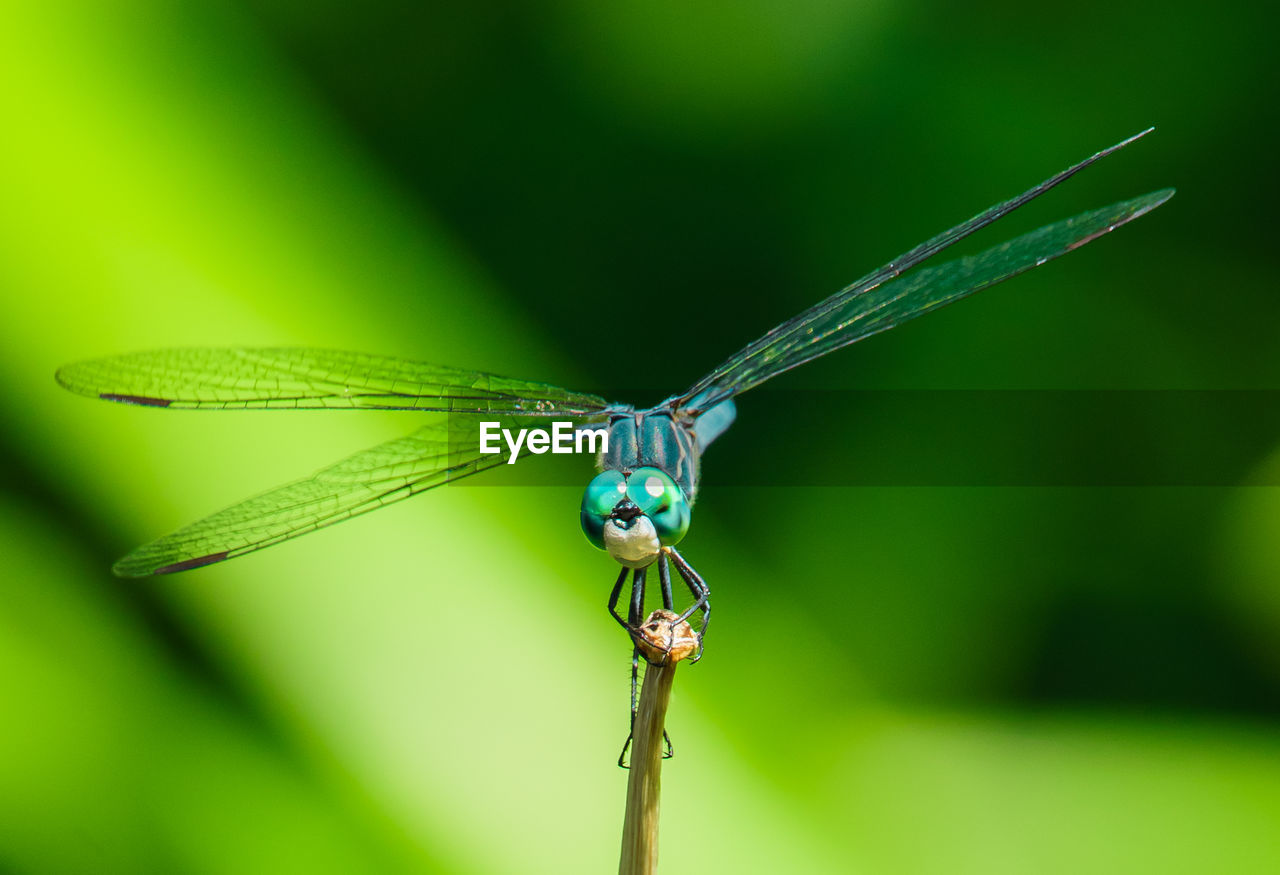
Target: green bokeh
907	679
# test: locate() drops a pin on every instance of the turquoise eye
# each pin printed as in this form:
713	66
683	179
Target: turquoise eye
660	499
604	492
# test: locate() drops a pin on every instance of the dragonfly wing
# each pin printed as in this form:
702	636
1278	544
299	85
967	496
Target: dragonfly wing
881	299
308	379
923	291
432	456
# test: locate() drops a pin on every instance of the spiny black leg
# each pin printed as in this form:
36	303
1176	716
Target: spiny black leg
635	680
615	595
632	622
668	603
669	751
664	578
701	594
636	616
635	677
697	586
637	606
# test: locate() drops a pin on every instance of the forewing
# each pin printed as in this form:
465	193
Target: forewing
432	456
301	379
853	315
758	360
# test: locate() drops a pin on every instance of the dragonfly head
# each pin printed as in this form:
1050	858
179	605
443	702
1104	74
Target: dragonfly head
634	514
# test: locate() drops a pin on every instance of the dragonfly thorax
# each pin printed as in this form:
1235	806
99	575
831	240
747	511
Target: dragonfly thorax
634	514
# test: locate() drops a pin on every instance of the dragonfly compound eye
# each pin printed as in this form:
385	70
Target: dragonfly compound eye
602	495
662	500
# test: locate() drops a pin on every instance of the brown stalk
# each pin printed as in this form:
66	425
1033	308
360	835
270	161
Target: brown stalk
663	643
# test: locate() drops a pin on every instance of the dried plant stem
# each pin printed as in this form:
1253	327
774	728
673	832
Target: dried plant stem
663	646
644	782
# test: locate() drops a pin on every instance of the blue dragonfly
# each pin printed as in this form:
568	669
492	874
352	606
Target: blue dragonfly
638	508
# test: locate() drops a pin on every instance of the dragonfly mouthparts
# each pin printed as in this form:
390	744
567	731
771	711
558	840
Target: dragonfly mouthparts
625	511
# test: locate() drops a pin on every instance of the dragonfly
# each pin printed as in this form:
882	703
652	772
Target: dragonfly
639	506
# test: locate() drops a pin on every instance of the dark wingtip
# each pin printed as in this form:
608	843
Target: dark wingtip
188	564
127	568
141	400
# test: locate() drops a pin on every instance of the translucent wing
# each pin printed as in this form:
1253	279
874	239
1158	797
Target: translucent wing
432	456
882	300
302	379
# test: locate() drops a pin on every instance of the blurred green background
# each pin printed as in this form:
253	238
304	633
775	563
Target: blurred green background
614	197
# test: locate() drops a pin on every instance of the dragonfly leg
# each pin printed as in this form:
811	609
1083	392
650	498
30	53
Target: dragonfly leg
636	616
668	752
631	725
615	595
664	578
635	683
701	595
